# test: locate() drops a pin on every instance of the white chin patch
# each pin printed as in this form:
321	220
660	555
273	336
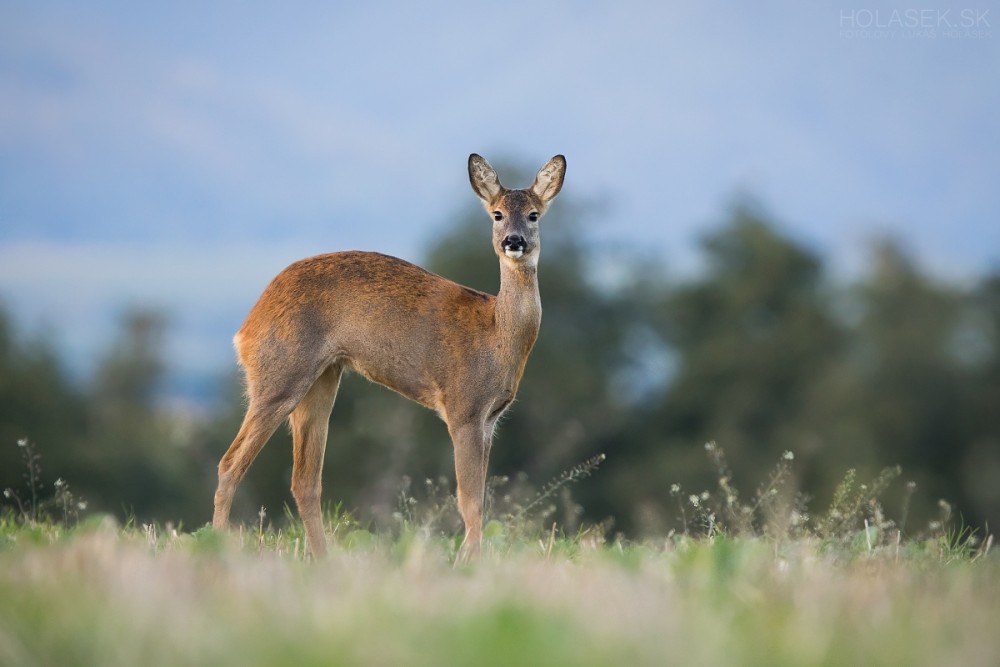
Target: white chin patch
513	254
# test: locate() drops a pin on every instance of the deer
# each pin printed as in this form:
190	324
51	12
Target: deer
453	349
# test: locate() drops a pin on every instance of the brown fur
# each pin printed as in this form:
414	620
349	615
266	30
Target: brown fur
450	348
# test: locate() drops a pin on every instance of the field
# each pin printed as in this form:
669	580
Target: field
104	594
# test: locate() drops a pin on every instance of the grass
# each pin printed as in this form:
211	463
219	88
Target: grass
828	591
102	594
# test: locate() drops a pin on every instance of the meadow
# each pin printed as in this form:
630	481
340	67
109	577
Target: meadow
91	591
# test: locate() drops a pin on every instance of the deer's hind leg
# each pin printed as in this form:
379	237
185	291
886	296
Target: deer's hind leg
272	397
262	419
310	421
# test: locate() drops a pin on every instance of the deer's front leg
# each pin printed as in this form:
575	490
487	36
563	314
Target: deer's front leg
471	451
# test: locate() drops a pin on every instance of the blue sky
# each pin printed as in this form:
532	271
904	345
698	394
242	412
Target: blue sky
179	155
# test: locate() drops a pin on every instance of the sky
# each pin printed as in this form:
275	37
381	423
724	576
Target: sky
178	155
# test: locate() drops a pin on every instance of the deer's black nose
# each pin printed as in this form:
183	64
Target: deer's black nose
514	242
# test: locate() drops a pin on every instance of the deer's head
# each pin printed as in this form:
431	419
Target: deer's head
516	213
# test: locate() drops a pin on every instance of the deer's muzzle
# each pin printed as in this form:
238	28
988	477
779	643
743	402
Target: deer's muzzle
514	245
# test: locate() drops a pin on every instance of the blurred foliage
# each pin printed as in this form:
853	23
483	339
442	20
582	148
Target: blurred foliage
760	351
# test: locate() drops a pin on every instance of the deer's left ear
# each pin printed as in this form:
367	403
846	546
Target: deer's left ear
549	180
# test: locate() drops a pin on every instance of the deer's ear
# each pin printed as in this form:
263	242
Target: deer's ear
484	179
549	180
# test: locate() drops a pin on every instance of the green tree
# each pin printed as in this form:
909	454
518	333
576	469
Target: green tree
913	393
979	348
751	336
38	401
134	459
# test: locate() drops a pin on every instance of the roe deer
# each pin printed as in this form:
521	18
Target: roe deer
453	349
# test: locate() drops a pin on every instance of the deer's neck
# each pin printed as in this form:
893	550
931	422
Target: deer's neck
518	307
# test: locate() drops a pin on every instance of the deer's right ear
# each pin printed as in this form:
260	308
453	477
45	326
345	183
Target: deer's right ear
484	179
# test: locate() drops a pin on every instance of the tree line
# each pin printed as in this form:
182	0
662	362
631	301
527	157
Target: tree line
760	351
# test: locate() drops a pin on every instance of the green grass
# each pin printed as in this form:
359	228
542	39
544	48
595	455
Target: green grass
101	594
749	580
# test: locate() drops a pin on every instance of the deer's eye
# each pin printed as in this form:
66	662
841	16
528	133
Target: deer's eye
533	216
498	216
